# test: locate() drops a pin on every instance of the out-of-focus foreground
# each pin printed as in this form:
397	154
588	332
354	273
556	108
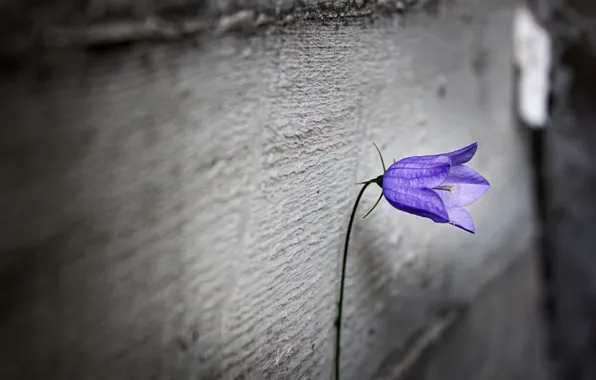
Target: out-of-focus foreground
177	178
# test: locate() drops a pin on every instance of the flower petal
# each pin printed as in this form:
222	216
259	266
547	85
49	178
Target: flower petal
421	202
469	186
417	172
459	217
463	155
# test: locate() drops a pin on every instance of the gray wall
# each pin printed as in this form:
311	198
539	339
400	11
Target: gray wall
176	209
569	178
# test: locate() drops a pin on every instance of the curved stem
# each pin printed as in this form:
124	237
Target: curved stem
380	155
341	286
374	206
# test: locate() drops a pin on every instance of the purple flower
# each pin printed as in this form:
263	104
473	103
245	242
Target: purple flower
437	187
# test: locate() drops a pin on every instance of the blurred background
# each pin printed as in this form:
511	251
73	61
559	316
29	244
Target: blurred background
177	178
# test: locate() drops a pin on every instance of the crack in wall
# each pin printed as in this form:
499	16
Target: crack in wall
161	27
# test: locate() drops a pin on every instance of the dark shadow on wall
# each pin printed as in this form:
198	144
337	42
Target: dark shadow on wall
566	153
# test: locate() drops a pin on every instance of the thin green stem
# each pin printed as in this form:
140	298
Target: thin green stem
341	285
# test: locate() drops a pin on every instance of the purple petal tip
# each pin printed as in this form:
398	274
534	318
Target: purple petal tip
463	155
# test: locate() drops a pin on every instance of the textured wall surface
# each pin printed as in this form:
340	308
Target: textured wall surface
177	210
494	339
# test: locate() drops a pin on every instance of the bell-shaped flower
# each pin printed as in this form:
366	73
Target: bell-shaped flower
437	187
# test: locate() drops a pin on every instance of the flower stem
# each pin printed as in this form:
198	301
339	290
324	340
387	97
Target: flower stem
341	286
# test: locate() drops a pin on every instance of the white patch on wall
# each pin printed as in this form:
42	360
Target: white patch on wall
532	46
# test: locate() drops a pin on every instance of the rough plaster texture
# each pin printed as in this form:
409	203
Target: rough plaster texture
67	24
177	211
510	346
71	12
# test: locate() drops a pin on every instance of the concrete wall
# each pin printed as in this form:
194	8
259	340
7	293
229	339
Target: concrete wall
176	209
568	143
